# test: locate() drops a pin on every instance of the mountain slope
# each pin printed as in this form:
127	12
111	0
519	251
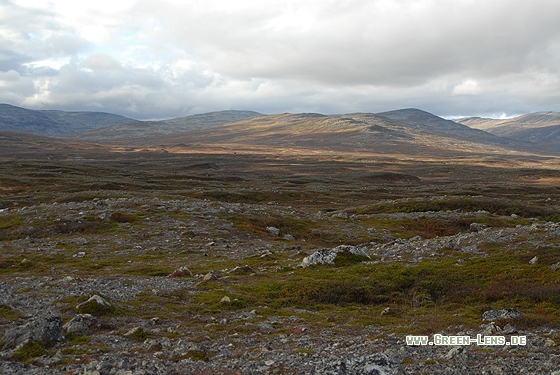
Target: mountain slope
406	131
144	132
54	123
532	127
429	123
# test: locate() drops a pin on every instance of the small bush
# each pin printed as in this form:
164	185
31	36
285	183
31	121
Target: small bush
120	217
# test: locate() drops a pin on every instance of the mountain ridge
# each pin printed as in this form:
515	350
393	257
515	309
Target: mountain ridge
54	123
529	127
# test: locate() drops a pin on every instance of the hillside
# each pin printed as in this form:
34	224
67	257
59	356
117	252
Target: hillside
54	123
542	127
145	132
408	131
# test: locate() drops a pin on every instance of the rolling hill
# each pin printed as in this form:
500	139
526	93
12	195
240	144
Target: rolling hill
541	127
54	123
402	131
146	132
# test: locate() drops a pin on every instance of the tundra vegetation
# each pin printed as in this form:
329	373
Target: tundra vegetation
446	243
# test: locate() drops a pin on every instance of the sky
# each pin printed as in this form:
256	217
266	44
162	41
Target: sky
169	58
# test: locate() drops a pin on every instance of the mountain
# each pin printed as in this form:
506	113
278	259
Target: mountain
54	123
426	122
541	127
145	132
402	131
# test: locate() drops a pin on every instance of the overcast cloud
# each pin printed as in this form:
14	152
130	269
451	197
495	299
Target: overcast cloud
170	58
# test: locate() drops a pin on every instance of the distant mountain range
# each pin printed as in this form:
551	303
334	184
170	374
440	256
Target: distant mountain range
405	131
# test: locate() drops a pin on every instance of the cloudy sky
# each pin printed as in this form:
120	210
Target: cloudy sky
151	59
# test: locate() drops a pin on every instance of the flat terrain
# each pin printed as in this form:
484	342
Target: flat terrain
447	240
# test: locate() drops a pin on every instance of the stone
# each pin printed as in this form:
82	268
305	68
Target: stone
242	270
509	329
95	305
328	256
225	299
489	329
555	266
45	329
477	227
136	331
534	260
180	272
210	276
502	314
458	352
81	324
272	230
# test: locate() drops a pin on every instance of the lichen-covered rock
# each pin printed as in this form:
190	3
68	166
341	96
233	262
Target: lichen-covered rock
272	230
242	270
96	305
477	227
328	256
45	329
81	324
502	314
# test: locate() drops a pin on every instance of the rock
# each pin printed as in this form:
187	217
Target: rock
340	215
328	256
81	324
555	266
289	237
45	329
136	332
534	260
375	364
502	314
225	299
96	305
489	329
458	352
242	270
180	272
509	329
477	227
273	231
210	276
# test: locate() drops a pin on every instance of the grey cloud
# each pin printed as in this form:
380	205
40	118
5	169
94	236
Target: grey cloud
466	57
396	44
29	35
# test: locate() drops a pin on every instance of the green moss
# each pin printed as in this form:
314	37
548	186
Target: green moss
197	355
139	335
6	312
97	309
28	352
74	351
79	339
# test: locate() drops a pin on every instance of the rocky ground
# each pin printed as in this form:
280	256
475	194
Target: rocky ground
153	282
